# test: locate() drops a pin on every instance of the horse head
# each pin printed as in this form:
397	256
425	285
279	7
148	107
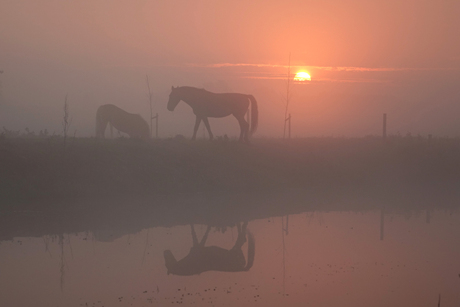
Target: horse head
173	98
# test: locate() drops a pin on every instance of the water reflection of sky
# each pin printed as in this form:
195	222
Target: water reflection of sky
331	259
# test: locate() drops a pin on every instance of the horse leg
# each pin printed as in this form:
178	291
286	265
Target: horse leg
205	237
206	123
244	126
194	239
111	130
241	239
101	125
197	124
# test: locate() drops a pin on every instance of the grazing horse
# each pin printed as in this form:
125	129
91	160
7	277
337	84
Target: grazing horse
206	104
132	124
213	258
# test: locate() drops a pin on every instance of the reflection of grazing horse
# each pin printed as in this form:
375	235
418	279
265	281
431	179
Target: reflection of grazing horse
206	104
132	124
213	258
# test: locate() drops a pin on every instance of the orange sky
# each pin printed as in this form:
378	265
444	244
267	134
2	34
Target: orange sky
402	57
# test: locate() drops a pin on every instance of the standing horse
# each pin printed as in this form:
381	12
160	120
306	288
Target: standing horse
206	104
213	258
132	124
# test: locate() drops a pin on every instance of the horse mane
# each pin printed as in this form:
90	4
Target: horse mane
193	89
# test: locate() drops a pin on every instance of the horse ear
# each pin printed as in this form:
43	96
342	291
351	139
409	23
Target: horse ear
172	88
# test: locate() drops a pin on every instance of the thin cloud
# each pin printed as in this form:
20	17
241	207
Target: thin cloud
326	68
221	65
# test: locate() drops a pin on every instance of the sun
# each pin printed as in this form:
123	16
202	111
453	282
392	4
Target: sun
302	76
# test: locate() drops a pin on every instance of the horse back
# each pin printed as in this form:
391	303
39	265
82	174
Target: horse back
209	258
221	104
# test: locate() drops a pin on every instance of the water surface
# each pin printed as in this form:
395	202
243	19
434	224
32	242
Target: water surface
306	259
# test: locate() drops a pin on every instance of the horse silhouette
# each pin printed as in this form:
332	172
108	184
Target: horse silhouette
213	258
206	104
132	124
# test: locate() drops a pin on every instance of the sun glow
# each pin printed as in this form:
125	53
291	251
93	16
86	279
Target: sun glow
302	76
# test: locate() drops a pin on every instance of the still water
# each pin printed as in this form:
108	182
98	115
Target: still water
307	259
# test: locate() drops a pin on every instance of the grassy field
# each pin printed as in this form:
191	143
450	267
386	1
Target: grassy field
42	170
51	187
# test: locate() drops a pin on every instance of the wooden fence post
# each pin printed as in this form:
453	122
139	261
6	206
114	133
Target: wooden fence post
382	222
384	126
156	124
288	119
289	125
156	127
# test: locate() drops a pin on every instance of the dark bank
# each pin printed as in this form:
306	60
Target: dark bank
49	187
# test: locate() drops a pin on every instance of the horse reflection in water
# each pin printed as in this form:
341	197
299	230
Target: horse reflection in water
213	258
206	104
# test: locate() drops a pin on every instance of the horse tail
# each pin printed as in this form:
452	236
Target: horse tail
254	114
251	251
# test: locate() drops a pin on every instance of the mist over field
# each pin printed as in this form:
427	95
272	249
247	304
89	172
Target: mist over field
397	57
307	153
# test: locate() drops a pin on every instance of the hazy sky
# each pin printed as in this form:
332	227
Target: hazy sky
365	58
